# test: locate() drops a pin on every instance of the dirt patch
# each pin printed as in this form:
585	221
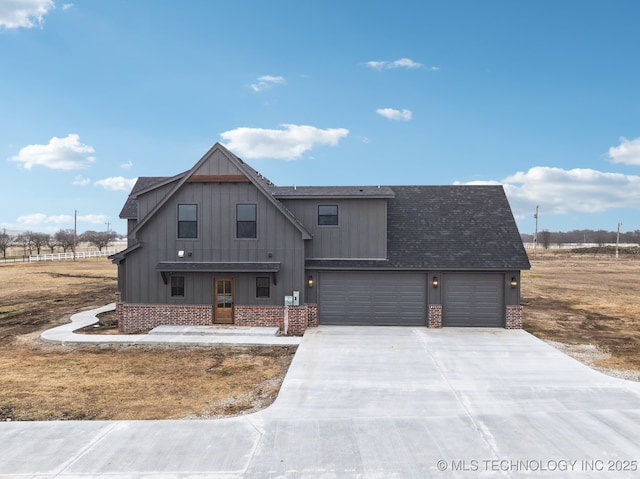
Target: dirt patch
43	381
590	304
107	324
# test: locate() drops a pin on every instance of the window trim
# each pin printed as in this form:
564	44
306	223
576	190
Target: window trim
189	221
268	287
337	216
184	287
254	221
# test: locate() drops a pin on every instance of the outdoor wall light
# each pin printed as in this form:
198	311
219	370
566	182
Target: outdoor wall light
514	282
310	281
435	282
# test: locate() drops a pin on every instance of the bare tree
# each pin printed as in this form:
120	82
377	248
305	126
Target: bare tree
65	238
38	240
5	242
600	237
545	238
99	239
51	242
24	240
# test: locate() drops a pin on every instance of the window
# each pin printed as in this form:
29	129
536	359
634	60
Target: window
187	221
262	287
246	221
177	286
327	215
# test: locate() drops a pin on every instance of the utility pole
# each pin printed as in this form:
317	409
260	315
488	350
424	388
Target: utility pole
618	240
108	224
75	232
535	235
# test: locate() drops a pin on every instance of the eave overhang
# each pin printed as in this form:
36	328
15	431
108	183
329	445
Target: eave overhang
217	267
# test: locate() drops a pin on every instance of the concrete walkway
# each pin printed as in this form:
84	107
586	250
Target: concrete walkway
375	402
177	335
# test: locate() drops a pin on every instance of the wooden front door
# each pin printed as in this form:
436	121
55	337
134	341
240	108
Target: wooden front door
223	301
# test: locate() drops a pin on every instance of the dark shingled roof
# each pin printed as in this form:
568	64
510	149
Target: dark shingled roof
282	192
452	227
130	208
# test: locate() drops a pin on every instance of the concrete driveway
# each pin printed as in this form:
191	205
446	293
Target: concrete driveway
375	402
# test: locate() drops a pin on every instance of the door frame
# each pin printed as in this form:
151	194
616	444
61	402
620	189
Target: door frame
223	315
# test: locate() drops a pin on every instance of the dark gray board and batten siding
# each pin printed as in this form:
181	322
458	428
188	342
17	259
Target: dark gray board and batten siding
277	241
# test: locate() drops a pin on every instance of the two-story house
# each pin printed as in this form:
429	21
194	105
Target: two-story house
221	244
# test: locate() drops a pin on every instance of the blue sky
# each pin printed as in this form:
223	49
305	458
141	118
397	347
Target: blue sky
540	96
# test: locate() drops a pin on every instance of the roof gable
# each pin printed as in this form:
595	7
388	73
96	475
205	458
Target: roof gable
219	164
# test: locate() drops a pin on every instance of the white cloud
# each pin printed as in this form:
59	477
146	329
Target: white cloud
117	183
79	180
51	223
127	165
67	6
267	81
562	192
627	152
59	154
37	219
287	144
24	13
93	219
393	114
400	63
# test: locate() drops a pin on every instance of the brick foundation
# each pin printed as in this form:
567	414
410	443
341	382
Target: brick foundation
138	318
299	318
514	317
434	319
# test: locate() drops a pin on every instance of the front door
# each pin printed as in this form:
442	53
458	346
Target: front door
223	301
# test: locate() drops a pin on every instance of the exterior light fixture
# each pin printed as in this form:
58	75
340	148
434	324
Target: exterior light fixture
434	282
514	282
310	281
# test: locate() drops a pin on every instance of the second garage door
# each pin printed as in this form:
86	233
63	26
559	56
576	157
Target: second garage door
376	299
473	299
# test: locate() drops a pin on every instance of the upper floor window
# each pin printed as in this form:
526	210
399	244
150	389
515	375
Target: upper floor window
327	215
246	223
187	221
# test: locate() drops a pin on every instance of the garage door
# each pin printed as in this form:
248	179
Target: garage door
374	299
473	300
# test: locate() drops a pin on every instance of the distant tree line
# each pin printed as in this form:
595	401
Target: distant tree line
547	238
31	241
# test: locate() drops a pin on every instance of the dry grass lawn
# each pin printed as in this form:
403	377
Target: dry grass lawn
40	381
588	301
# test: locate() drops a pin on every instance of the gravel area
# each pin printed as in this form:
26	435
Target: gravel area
588	354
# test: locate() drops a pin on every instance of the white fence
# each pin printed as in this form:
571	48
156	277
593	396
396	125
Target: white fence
66	256
577	245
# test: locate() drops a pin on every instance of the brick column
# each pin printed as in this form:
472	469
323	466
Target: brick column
514	317
312	320
435	316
